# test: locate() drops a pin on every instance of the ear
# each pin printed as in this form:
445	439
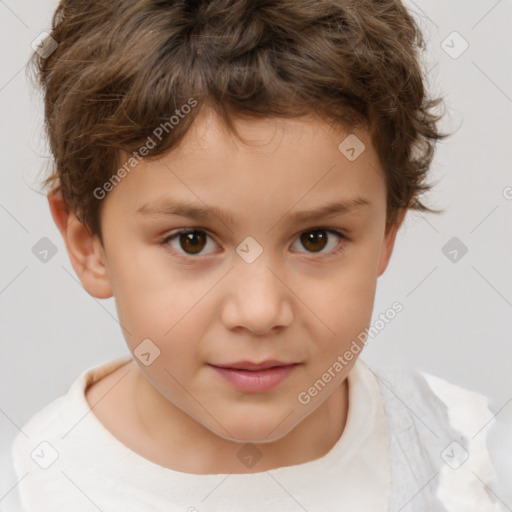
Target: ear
389	243
85	251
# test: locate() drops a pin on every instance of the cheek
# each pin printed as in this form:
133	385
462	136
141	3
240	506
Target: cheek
150	304
344	308
342	304
174	321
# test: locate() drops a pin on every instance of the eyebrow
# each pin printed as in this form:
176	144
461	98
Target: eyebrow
202	212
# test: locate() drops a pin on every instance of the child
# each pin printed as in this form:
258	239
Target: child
283	143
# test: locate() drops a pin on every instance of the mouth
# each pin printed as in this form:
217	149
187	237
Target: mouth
251	366
250	377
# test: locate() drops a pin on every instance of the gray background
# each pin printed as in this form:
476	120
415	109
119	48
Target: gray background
456	321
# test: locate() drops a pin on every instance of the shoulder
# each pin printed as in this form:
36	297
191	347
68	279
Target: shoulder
442	429
45	427
470	476
46	443
54	419
36	452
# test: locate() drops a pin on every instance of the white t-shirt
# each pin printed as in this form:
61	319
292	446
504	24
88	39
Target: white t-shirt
400	449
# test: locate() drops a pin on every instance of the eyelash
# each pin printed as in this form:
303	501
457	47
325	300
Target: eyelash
337	250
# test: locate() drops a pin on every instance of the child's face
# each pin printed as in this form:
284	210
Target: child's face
212	299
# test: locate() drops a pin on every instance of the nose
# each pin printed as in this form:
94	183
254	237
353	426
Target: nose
257	299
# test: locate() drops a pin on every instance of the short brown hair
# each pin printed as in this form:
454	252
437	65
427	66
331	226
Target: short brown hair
123	67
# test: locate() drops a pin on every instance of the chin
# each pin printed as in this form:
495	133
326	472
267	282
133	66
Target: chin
254	429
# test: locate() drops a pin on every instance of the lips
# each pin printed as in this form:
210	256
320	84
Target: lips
250	377
251	366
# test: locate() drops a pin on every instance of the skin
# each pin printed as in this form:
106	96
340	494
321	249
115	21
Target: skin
297	302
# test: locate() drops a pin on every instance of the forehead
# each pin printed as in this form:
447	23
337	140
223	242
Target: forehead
278	164
260	136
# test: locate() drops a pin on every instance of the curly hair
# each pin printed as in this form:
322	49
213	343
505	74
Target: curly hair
123	67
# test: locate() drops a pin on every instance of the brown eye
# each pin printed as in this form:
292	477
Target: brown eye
316	240
188	241
192	242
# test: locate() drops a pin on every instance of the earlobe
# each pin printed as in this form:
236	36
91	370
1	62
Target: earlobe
85	250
